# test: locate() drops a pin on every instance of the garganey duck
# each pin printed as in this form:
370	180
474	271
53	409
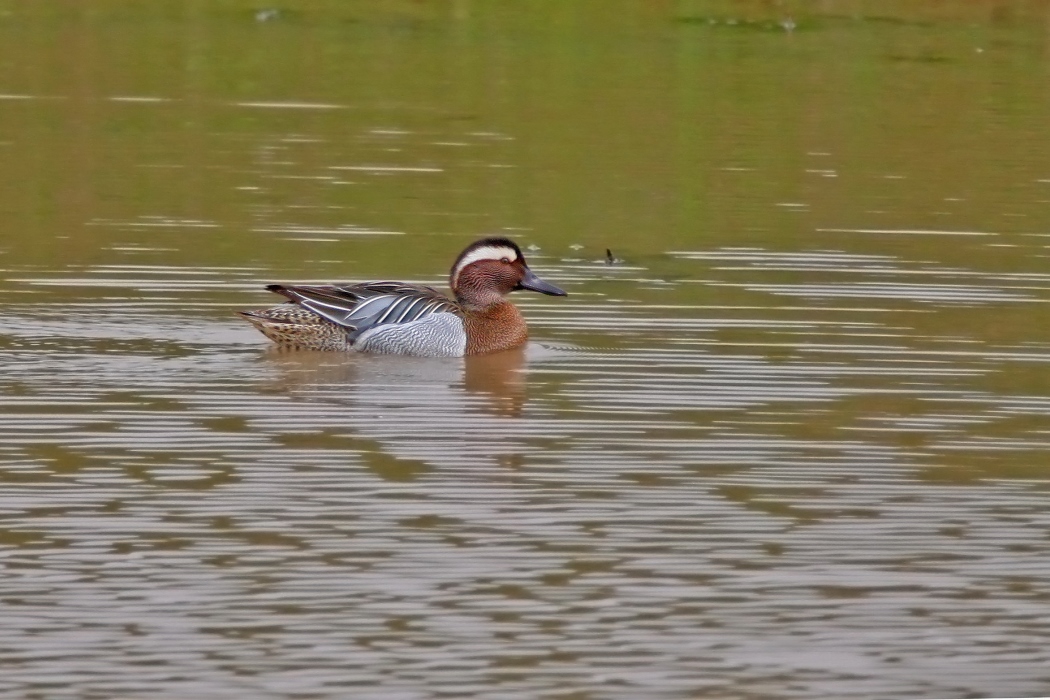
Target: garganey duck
405	319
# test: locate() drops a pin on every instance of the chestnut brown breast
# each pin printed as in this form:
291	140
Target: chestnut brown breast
499	327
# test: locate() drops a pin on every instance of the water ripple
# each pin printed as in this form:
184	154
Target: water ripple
706	487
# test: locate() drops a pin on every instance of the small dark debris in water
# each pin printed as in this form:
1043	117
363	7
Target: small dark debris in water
611	259
267	15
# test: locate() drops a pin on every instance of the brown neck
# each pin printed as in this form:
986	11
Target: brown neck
498	327
477	297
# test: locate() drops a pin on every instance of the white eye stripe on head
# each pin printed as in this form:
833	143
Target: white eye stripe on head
488	252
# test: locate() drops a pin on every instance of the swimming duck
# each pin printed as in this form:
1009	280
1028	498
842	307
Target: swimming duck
406	319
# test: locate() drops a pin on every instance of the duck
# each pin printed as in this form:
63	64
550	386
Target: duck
398	318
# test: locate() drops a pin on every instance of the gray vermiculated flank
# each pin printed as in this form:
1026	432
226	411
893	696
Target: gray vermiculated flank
437	335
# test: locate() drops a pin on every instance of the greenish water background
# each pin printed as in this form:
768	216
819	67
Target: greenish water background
793	446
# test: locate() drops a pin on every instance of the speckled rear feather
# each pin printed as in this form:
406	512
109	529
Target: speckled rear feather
291	326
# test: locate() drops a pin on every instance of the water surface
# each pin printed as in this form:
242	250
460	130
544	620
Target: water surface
792	444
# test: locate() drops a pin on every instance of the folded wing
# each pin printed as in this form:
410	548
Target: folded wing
363	307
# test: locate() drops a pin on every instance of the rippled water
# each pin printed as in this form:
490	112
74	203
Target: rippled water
791	444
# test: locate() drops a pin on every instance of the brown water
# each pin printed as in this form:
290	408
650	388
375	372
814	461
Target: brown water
794	445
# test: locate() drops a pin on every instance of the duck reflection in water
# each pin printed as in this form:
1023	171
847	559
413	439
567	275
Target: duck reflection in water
409	388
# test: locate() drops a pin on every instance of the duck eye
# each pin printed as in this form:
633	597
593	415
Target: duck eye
505	261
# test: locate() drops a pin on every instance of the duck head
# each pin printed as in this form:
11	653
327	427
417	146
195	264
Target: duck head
491	268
